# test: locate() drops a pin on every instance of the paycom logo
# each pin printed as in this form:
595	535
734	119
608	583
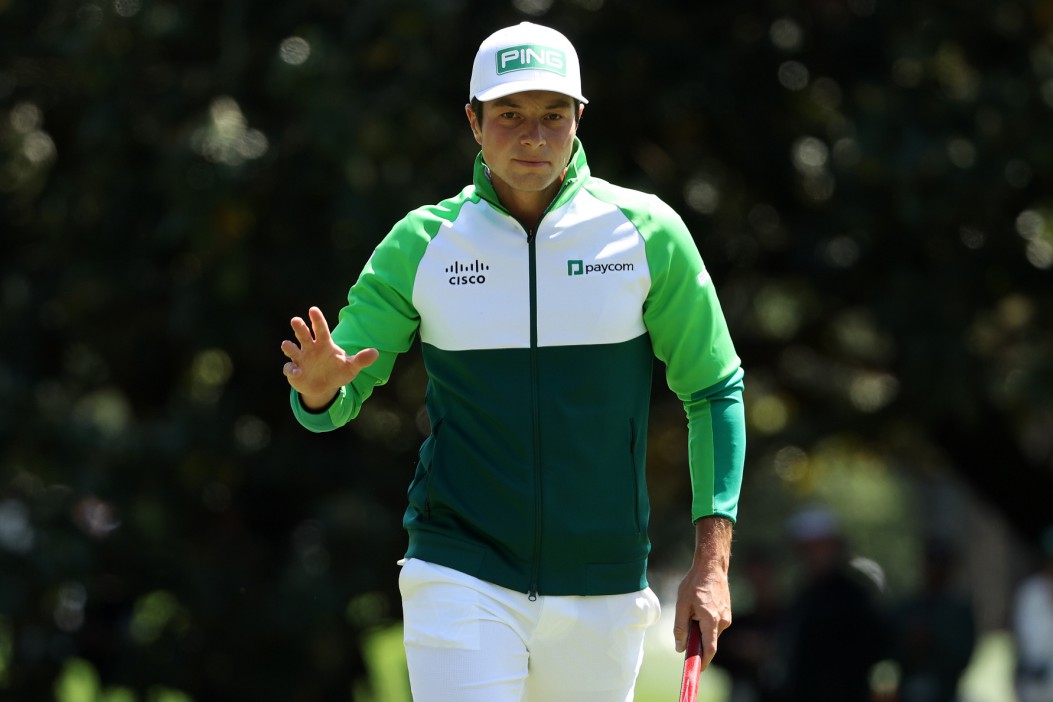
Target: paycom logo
578	267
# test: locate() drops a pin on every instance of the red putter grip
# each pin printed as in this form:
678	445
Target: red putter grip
692	664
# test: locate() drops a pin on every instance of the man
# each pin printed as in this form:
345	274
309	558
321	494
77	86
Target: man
934	631
748	650
1033	629
541	296
834	630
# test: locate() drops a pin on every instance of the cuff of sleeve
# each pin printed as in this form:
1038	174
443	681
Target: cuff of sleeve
320	410
314	420
733	518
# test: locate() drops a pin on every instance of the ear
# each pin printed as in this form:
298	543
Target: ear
473	122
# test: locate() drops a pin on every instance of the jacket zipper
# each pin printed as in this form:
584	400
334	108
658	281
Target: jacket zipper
535	408
535	400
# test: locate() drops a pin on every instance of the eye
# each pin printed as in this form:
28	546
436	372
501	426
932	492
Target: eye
508	115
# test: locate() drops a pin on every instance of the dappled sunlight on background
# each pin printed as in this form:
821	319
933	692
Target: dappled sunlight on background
869	185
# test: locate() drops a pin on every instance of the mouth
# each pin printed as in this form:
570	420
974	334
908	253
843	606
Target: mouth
528	163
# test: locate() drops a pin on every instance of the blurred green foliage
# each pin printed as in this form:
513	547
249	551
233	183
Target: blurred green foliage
868	181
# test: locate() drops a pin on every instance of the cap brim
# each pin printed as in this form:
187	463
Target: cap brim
522	86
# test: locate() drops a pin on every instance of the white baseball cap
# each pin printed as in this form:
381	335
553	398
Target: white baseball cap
814	523
525	57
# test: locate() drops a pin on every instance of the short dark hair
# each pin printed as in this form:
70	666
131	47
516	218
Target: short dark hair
477	108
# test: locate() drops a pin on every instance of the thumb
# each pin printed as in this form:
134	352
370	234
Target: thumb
364	358
681	624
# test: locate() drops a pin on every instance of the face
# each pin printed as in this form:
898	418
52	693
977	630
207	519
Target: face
820	555
526	139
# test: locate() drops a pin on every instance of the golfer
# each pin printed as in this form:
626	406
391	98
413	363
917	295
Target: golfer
541	296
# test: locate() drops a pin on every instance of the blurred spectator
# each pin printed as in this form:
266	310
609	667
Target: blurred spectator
746	649
1033	630
935	633
835	630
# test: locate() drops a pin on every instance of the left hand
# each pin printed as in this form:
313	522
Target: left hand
704	595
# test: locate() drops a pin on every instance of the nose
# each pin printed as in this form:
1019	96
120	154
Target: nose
533	134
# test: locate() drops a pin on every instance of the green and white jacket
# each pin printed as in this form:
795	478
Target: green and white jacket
539	348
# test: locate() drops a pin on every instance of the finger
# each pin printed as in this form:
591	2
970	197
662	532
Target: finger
291	350
303	334
291	370
319	325
711	638
709	645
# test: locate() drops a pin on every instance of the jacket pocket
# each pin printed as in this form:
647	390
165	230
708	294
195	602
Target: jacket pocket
634	474
420	488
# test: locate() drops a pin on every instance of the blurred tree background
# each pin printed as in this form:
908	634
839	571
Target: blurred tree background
869	181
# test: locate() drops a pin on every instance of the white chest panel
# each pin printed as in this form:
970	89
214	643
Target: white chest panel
472	288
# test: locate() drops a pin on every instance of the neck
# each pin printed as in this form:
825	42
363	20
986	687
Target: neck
527	207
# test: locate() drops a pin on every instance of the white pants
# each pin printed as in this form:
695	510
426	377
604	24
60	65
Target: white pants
471	641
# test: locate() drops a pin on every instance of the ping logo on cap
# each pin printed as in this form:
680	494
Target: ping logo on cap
531	56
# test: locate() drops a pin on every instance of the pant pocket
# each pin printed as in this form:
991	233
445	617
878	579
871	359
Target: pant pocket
436	612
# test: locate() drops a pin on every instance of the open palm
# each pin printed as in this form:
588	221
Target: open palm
317	367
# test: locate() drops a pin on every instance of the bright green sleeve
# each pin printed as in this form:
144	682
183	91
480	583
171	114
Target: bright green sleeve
716	439
379	314
690	335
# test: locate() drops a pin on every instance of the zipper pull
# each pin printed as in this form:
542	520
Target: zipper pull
532	595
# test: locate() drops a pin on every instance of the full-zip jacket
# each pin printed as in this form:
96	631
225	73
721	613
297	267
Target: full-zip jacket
539	348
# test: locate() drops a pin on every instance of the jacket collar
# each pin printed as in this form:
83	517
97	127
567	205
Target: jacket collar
576	177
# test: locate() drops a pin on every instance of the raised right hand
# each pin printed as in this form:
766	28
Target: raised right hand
317	367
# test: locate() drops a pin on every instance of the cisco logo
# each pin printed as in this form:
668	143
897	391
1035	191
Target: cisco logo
472	274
